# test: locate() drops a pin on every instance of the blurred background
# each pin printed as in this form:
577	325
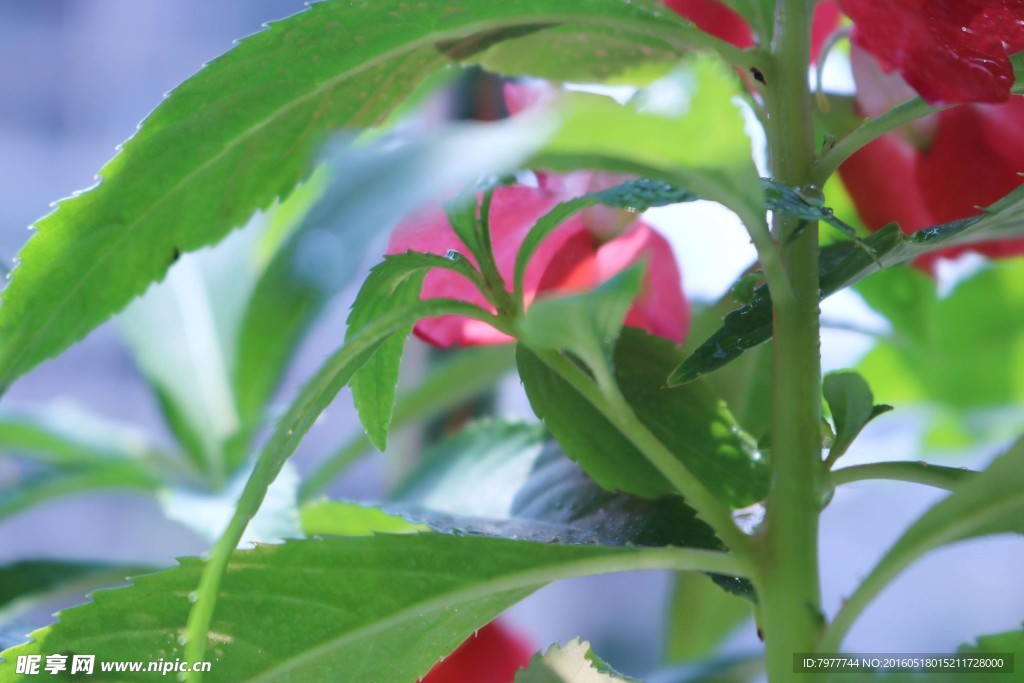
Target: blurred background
77	77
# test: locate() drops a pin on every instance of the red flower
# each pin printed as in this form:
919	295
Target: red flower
711	16
942	170
571	259
948	50
493	655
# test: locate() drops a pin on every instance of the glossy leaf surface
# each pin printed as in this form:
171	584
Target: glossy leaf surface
430	589
690	421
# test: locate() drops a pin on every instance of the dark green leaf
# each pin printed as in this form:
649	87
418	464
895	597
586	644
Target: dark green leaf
852	405
690	421
392	285
574	663
509	480
240	134
844	264
348	605
28	582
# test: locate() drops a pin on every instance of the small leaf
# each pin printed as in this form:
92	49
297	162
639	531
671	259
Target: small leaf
587	324
842	265
690	421
852	404
574	663
391	285
360	603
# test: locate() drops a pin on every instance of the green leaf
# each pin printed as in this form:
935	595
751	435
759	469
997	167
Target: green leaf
52	483
29	582
700	617
360	603
463	375
843	264
699	143
240	134
510	480
574	663
955	354
333	518
391	285
852	405
690	421
587	324
69	437
182	333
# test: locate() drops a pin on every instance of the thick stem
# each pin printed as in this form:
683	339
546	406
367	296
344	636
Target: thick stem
789	585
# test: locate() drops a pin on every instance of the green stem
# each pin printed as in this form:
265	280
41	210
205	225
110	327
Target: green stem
619	413
788	577
948	478
868	131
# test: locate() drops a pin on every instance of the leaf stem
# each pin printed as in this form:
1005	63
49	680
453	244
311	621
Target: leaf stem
620	414
915	472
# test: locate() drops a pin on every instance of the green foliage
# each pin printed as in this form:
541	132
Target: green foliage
689	420
574	663
852	405
957	354
699	144
429	589
587	325
213	152
510	480
25	583
392	285
448	384
844	264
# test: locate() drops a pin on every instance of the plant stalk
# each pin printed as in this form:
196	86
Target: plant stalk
788	574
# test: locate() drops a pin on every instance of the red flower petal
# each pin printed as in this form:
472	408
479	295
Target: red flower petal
975	157
948	50
493	655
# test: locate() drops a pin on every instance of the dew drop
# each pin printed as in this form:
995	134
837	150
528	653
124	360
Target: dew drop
193	596
183	640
